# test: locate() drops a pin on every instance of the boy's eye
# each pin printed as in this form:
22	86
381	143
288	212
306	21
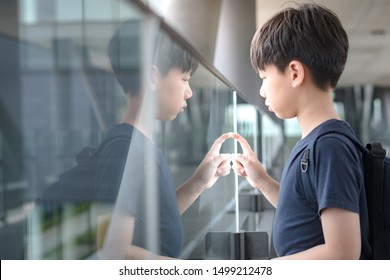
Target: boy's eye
186	78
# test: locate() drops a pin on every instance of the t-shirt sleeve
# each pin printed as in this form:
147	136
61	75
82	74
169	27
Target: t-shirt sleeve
338	174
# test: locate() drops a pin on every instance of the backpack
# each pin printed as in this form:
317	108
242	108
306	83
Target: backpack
78	183
376	168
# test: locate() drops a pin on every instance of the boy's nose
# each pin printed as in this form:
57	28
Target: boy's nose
262	92
188	93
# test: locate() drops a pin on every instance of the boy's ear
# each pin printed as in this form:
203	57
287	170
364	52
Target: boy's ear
154	77
297	73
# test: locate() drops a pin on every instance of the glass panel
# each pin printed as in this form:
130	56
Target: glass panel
65	66
69	10
65	97
160	7
101	10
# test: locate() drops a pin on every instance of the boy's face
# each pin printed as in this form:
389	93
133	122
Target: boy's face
172	90
276	90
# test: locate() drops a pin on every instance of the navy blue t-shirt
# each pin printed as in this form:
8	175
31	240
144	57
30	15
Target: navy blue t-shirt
123	172
339	183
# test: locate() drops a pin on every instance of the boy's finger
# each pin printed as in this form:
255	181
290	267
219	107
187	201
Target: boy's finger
246	148
216	147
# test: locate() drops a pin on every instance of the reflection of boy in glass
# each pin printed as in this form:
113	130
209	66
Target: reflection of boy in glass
123	180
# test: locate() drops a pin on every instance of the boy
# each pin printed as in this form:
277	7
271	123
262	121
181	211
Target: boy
300	54
124	167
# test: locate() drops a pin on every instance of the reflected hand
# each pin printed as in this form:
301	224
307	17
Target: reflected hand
247	164
214	165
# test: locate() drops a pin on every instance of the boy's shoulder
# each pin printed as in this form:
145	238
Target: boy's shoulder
331	127
122	129
332	139
329	134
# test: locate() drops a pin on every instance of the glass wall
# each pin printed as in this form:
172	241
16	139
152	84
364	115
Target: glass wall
65	97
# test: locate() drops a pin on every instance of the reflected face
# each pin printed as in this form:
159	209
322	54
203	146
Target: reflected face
173	91
275	89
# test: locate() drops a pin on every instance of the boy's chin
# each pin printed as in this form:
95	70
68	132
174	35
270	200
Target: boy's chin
167	118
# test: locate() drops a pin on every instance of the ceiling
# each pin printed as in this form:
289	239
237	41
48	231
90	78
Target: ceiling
367	23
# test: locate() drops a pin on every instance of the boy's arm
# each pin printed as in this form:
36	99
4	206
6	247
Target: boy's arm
138	253
342	236
117	234
213	166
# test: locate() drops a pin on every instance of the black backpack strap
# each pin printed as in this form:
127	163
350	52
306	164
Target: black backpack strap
111	139
92	153
307	176
375	198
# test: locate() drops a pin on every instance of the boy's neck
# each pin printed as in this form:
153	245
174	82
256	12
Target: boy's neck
137	117
317	110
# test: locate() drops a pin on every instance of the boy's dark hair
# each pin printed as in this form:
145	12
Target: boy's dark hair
125	53
309	33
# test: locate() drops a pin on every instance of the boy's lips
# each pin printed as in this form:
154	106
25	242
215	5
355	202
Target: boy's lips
267	105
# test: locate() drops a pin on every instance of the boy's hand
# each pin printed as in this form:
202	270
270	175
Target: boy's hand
213	165
247	163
